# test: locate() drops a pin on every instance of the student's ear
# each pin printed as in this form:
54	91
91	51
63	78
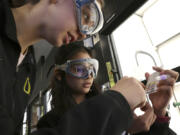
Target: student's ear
57	74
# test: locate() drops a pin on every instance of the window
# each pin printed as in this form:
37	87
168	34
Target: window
130	38
151	36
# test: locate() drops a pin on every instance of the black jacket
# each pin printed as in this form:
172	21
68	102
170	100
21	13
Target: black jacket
106	114
159	129
51	119
101	115
16	82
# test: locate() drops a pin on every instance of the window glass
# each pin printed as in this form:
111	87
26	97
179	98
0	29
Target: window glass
170	53
130	38
151	35
162	20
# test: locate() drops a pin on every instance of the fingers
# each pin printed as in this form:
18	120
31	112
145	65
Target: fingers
169	82
148	118
143	122
158	69
173	74
146	107
166	89
135	116
141	105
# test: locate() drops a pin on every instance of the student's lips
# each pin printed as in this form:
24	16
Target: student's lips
69	38
87	85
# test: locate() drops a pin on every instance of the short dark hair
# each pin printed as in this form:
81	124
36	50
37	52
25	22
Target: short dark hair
34	1
16	3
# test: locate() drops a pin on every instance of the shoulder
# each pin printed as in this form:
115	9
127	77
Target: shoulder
49	120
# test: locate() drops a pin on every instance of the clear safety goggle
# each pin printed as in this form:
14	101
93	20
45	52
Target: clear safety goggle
89	15
80	68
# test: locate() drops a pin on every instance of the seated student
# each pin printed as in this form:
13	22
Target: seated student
72	83
68	89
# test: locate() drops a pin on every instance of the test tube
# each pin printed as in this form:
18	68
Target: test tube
153	80
151	85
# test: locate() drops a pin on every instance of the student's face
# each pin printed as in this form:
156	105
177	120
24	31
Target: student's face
80	86
62	25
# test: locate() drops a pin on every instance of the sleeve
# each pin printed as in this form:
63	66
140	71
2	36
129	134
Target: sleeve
49	120
44	122
159	129
105	114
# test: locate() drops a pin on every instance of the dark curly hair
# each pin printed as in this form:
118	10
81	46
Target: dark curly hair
62	99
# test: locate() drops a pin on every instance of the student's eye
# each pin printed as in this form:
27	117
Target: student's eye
86	15
86	18
80	70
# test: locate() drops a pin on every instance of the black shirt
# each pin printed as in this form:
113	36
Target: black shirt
16	82
49	120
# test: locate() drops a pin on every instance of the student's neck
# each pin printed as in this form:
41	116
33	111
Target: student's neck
79	98
26	26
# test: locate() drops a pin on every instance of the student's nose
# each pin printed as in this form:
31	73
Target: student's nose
81	36
90	76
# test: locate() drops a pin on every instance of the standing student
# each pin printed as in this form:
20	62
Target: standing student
59	22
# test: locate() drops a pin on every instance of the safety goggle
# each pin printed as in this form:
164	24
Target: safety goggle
80	68
89	15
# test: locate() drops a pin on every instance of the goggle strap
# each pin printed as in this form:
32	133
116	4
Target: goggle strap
80	3
61	67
